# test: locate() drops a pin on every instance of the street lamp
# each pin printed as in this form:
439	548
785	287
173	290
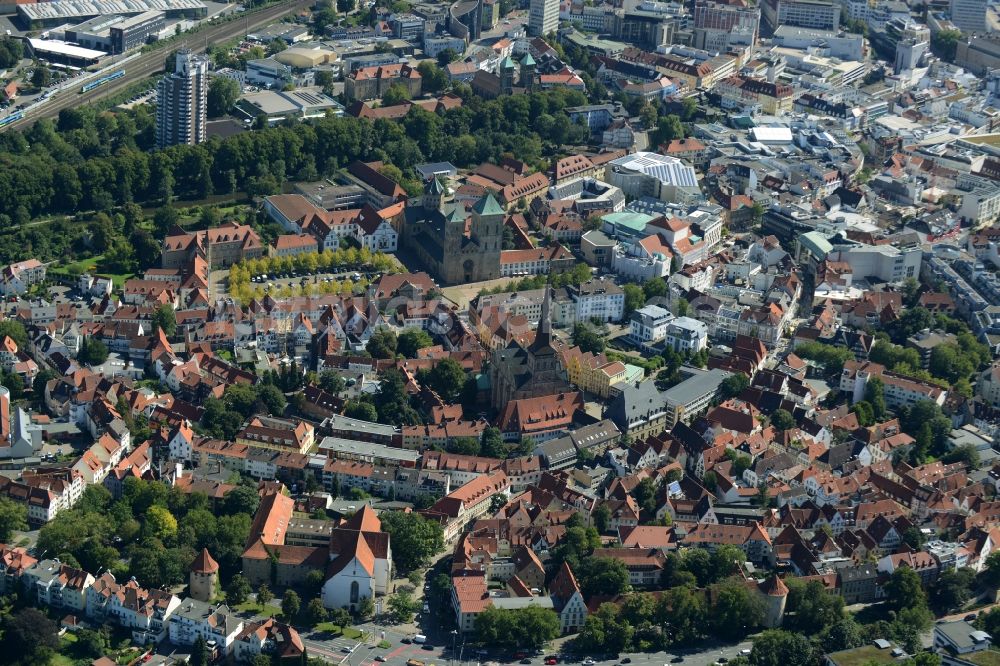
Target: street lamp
454	638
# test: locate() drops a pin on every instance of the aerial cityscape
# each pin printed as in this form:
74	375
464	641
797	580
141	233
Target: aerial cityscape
489	332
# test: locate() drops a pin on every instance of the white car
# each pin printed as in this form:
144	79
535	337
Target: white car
589	662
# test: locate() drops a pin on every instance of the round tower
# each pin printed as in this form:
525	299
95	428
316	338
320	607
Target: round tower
203	577
775	594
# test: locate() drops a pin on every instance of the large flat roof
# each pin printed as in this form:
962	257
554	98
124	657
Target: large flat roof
69	8
63	48
367	449
695	386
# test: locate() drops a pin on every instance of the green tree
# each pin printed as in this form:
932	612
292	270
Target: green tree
606	631
29	637
656	287
776	647
291	604
635	298
588	339
668	128
444	58
403	606
809	609
332	382
412	340
492	445
382	344
11	52
264	595
41	77
736	611
944	43
363	411
238	590
875	396
601	517
965	454
272	398
990	620
447	378
392	401
13	516
222	95
365	609
13	383
396	94
241	499
315	612
843	634
905	590
782	419
603	576
415	539
734	385
433	78
160	523
199	652
528	627
92	352
952	589
165	320
991	570
165	219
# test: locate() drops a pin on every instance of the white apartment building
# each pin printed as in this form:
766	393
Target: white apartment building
543	17
649	324
970	15
182	102
17	278
882	261
598	299
686	335
193	618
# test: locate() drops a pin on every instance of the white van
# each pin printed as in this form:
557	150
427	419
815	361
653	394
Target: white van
420	638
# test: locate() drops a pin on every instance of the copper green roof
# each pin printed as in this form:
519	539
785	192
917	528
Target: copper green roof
508	63
528	60
487	206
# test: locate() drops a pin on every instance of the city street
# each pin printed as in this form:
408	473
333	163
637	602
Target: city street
365	653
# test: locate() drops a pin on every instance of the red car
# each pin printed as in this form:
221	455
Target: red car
551	661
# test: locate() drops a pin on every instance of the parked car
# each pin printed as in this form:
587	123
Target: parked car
551	661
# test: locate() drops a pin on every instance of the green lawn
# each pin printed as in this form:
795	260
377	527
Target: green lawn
985	658
346	632
862	655
82	265
92	266
328	627
253	607
62	657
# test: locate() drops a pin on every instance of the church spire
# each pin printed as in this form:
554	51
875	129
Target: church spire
544	335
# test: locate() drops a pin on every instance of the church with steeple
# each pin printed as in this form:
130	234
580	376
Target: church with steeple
457	245
521	371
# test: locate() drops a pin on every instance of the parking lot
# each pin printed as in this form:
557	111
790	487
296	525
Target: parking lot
297	279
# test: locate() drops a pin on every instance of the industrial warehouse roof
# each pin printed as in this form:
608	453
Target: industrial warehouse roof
69	8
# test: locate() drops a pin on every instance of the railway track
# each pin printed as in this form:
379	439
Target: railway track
153	62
